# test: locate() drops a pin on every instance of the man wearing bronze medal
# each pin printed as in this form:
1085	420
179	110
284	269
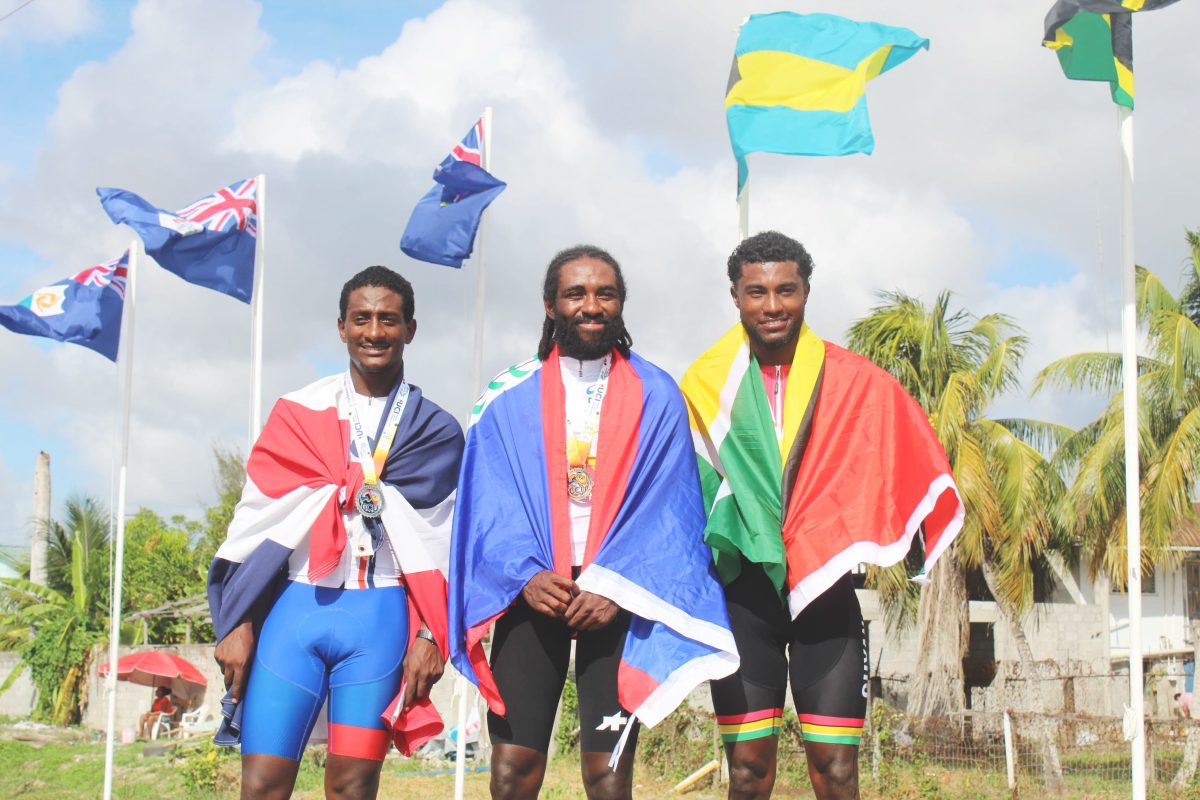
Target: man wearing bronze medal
331	584
578	495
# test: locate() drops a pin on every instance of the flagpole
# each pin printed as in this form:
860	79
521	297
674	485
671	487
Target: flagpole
485	161
256	311
462	688
1135	713
744	211
114	629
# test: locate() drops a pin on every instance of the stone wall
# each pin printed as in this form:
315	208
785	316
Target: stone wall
18	700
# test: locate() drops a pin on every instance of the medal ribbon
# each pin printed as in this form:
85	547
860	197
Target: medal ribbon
582	444
372	465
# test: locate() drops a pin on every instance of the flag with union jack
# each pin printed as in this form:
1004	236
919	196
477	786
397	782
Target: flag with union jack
470	149
441	229
209	243
83	309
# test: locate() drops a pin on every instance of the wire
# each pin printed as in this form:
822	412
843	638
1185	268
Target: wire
15	10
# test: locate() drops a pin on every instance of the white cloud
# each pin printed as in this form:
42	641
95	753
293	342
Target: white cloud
981	143
54	21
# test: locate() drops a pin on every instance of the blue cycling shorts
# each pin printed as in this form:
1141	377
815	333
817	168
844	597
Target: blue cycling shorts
317	642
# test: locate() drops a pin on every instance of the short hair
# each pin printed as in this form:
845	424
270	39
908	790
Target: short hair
384	278
767	246
550	292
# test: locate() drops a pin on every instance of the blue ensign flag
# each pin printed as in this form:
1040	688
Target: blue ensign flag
83	309
442	227
209	243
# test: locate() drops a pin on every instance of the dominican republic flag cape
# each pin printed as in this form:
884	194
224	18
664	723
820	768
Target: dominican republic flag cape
859	470
645	550
301	479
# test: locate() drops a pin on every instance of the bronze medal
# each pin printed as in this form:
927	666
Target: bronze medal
579	484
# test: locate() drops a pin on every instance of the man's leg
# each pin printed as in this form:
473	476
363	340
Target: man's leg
268	777
602	721
530	653
349	778
752	767
283	697
829	684
366	652
749	703
833	770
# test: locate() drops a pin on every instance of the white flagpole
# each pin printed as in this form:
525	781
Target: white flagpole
485	158
462	687
1134	713
256	312
114	630
744	211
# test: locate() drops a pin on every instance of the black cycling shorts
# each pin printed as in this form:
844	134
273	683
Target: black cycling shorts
826	647
530	656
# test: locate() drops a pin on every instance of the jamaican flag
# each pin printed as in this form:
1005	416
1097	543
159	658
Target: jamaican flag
1094	41
856	474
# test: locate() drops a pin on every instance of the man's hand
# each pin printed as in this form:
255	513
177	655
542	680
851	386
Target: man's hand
423	668
234	653
590	612
549	593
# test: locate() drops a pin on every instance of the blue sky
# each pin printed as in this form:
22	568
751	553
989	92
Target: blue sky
993	177
301	31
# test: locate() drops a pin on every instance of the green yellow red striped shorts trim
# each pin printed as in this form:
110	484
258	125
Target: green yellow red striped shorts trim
755	725
833	730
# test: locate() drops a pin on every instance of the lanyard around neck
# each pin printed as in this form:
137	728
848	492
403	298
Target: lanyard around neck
586	438
372	466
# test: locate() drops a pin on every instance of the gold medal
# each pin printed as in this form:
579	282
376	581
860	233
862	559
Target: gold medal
579	484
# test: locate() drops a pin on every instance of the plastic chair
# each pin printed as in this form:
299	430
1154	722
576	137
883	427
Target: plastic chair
162	726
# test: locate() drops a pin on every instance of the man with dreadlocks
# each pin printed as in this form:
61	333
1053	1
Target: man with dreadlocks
579	517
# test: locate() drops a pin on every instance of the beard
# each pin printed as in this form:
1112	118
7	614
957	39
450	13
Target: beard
787	339
570	343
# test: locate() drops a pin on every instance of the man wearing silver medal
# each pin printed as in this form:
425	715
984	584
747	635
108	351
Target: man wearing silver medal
331	584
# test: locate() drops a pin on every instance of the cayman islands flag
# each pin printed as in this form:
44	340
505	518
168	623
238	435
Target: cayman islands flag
857	474
297	511
644	550
209	243
83	309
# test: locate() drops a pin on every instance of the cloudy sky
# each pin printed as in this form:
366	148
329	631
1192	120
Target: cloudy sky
993	177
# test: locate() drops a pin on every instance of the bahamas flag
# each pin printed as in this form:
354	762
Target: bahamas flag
644	549
856	475
1094	41
799	81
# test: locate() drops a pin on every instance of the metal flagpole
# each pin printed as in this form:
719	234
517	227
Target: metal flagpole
256	312
462	688
114	625
744	211
1134	713
485	159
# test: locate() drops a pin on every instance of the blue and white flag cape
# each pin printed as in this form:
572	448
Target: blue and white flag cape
645	550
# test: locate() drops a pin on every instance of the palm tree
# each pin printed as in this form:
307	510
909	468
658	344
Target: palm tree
1168	430
955	365
56	625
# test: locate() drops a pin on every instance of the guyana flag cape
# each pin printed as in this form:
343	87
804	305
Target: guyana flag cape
858	473
645	549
